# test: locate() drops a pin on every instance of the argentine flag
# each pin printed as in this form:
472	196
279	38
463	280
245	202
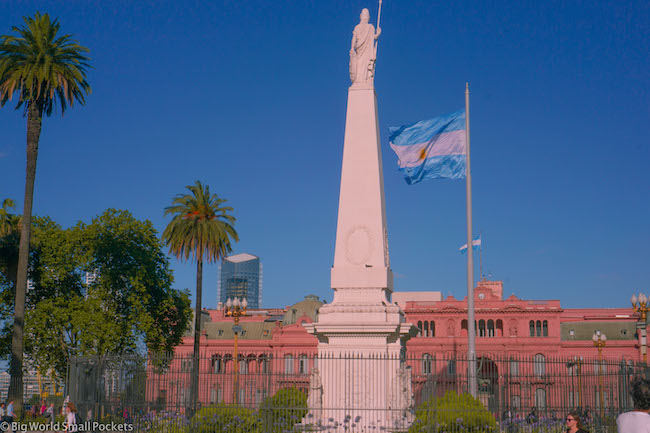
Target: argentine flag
431	149
476	244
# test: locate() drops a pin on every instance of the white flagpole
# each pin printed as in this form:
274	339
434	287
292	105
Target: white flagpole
471	330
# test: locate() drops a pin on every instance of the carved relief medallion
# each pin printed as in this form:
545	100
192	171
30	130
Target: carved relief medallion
358	245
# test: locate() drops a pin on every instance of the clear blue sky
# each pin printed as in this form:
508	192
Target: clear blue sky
250	98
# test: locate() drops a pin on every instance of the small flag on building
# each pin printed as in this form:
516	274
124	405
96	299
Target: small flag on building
476	244
431	149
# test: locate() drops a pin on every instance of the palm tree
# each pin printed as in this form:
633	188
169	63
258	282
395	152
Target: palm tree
44	70
201	228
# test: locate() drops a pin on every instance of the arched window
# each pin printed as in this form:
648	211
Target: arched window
432	328
243	365
532	328
264	364
426	364
540	399
499	328
426	329
540	365
303	364
539	328
288	364
463	328
481	328
420	326
217	364
545	328
490	328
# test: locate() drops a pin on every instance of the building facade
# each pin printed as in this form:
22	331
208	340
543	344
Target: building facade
240	276
531	353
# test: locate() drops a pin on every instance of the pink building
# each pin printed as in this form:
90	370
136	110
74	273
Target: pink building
532	353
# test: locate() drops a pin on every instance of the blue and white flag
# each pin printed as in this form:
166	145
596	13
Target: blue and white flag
431	149
476	244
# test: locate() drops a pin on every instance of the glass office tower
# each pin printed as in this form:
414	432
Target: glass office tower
240	276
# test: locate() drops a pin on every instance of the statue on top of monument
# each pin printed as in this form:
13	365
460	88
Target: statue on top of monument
363	51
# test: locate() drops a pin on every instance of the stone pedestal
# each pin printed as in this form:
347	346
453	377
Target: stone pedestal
362	333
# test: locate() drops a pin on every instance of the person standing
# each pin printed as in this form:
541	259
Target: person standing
10	412
638	420
49	413
573	423
70	417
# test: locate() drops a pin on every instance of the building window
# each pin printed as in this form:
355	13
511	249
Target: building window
540	399
481	328
514	368
288	364
432	328
540	365
242	395
426	364
545	328
426	329
243	365
532	328
516	402
600	367
463	328
265	333
538	327
451	367
303	364
499	328
264	364
213	396
186	365
490	328
420	326
217	364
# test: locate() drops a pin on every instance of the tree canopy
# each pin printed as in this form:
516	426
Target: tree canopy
129	307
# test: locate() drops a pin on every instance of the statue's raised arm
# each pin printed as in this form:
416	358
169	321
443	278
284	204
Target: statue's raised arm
362	52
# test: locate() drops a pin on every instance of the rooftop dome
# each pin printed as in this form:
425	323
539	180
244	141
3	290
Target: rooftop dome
307	307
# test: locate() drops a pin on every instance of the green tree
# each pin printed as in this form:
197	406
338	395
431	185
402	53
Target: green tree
45	69
130	307
201	228
9	240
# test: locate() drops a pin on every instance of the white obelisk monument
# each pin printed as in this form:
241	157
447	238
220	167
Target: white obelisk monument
362	333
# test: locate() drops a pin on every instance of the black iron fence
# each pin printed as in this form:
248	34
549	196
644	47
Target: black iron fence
263	393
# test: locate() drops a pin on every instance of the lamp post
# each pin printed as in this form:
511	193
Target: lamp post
236	309
640	306
599	341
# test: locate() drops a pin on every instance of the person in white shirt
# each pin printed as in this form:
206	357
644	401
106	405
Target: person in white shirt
70	417
638	420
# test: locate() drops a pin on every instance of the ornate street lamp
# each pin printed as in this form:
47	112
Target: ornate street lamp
599	341
236	309
640	306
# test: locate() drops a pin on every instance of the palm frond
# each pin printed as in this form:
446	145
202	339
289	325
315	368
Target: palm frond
42	67
200	227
